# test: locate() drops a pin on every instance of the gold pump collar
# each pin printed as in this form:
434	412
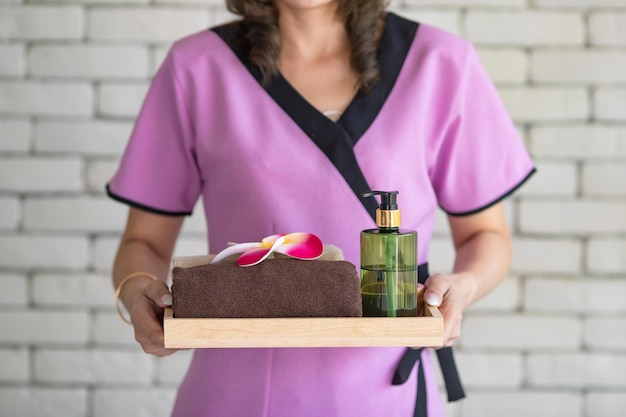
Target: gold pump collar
387	218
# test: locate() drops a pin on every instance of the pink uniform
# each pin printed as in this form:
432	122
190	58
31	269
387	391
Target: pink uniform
264	161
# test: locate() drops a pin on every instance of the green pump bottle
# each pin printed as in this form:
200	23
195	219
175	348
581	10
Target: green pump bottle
388	263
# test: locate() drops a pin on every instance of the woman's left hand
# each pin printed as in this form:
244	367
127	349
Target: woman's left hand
452	293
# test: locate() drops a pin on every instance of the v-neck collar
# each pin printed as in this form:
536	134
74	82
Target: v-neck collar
336	139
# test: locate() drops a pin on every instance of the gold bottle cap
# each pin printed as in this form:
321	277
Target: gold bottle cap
388	218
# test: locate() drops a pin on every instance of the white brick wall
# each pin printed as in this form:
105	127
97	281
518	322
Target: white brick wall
547	255
525	28
607	28
491	370
157	24
593	295
34	174
119	100
133	403
9	213
72	290
27	251
579	141
607	404
94	138
587	67
546	104
43	326
523	404
609	104
606	255
73	214
15	367
550	341
604	179
573	217
44	402
109	330
529	331
505	65
15	135
14	290
88	61
30	22
11	60
120	367
45	98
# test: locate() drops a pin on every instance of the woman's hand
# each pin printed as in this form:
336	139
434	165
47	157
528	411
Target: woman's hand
483	256
147	245
146	313
452	294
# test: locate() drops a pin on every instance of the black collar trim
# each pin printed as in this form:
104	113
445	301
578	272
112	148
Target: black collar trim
336	140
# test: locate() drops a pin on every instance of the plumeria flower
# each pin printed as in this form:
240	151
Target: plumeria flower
305	246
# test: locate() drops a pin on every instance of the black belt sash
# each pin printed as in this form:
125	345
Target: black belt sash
446	361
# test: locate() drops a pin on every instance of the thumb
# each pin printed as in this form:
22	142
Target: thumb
436	288
159	293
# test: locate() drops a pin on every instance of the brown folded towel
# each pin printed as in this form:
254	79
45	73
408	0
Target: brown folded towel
283	287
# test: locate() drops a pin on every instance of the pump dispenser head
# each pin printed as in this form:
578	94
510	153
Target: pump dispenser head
387	214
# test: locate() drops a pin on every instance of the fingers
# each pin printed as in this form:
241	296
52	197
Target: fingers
436	288
451	334
147	318
159	294
440	291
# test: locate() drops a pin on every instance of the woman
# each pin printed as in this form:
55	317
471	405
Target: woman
279	122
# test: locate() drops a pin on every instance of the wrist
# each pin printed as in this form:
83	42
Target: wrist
469	285
130	289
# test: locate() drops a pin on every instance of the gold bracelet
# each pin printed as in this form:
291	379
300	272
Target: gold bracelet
118	291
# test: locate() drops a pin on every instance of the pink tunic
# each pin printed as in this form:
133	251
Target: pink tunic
264	162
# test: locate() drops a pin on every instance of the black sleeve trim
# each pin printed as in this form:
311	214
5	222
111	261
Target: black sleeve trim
496	201
144	207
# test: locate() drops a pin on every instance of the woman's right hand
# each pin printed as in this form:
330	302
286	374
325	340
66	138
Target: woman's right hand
147	245
146	314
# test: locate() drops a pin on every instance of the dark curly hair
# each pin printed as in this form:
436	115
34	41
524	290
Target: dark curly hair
362	19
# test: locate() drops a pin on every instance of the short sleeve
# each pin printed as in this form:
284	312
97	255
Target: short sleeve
481	158
158	171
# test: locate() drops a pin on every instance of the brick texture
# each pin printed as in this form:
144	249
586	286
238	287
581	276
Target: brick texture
608	404
607	28
94	138
155	402
40	327
9	213
144	25
14	290
579	141
89	61
525	28
43	402
609	104
523	403
587	67
15	134
34	174
546	104
30	22
15	367
11	60
44	98
118	100
93	366
522	332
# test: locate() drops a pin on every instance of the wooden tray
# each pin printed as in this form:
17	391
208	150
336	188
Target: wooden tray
425	331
